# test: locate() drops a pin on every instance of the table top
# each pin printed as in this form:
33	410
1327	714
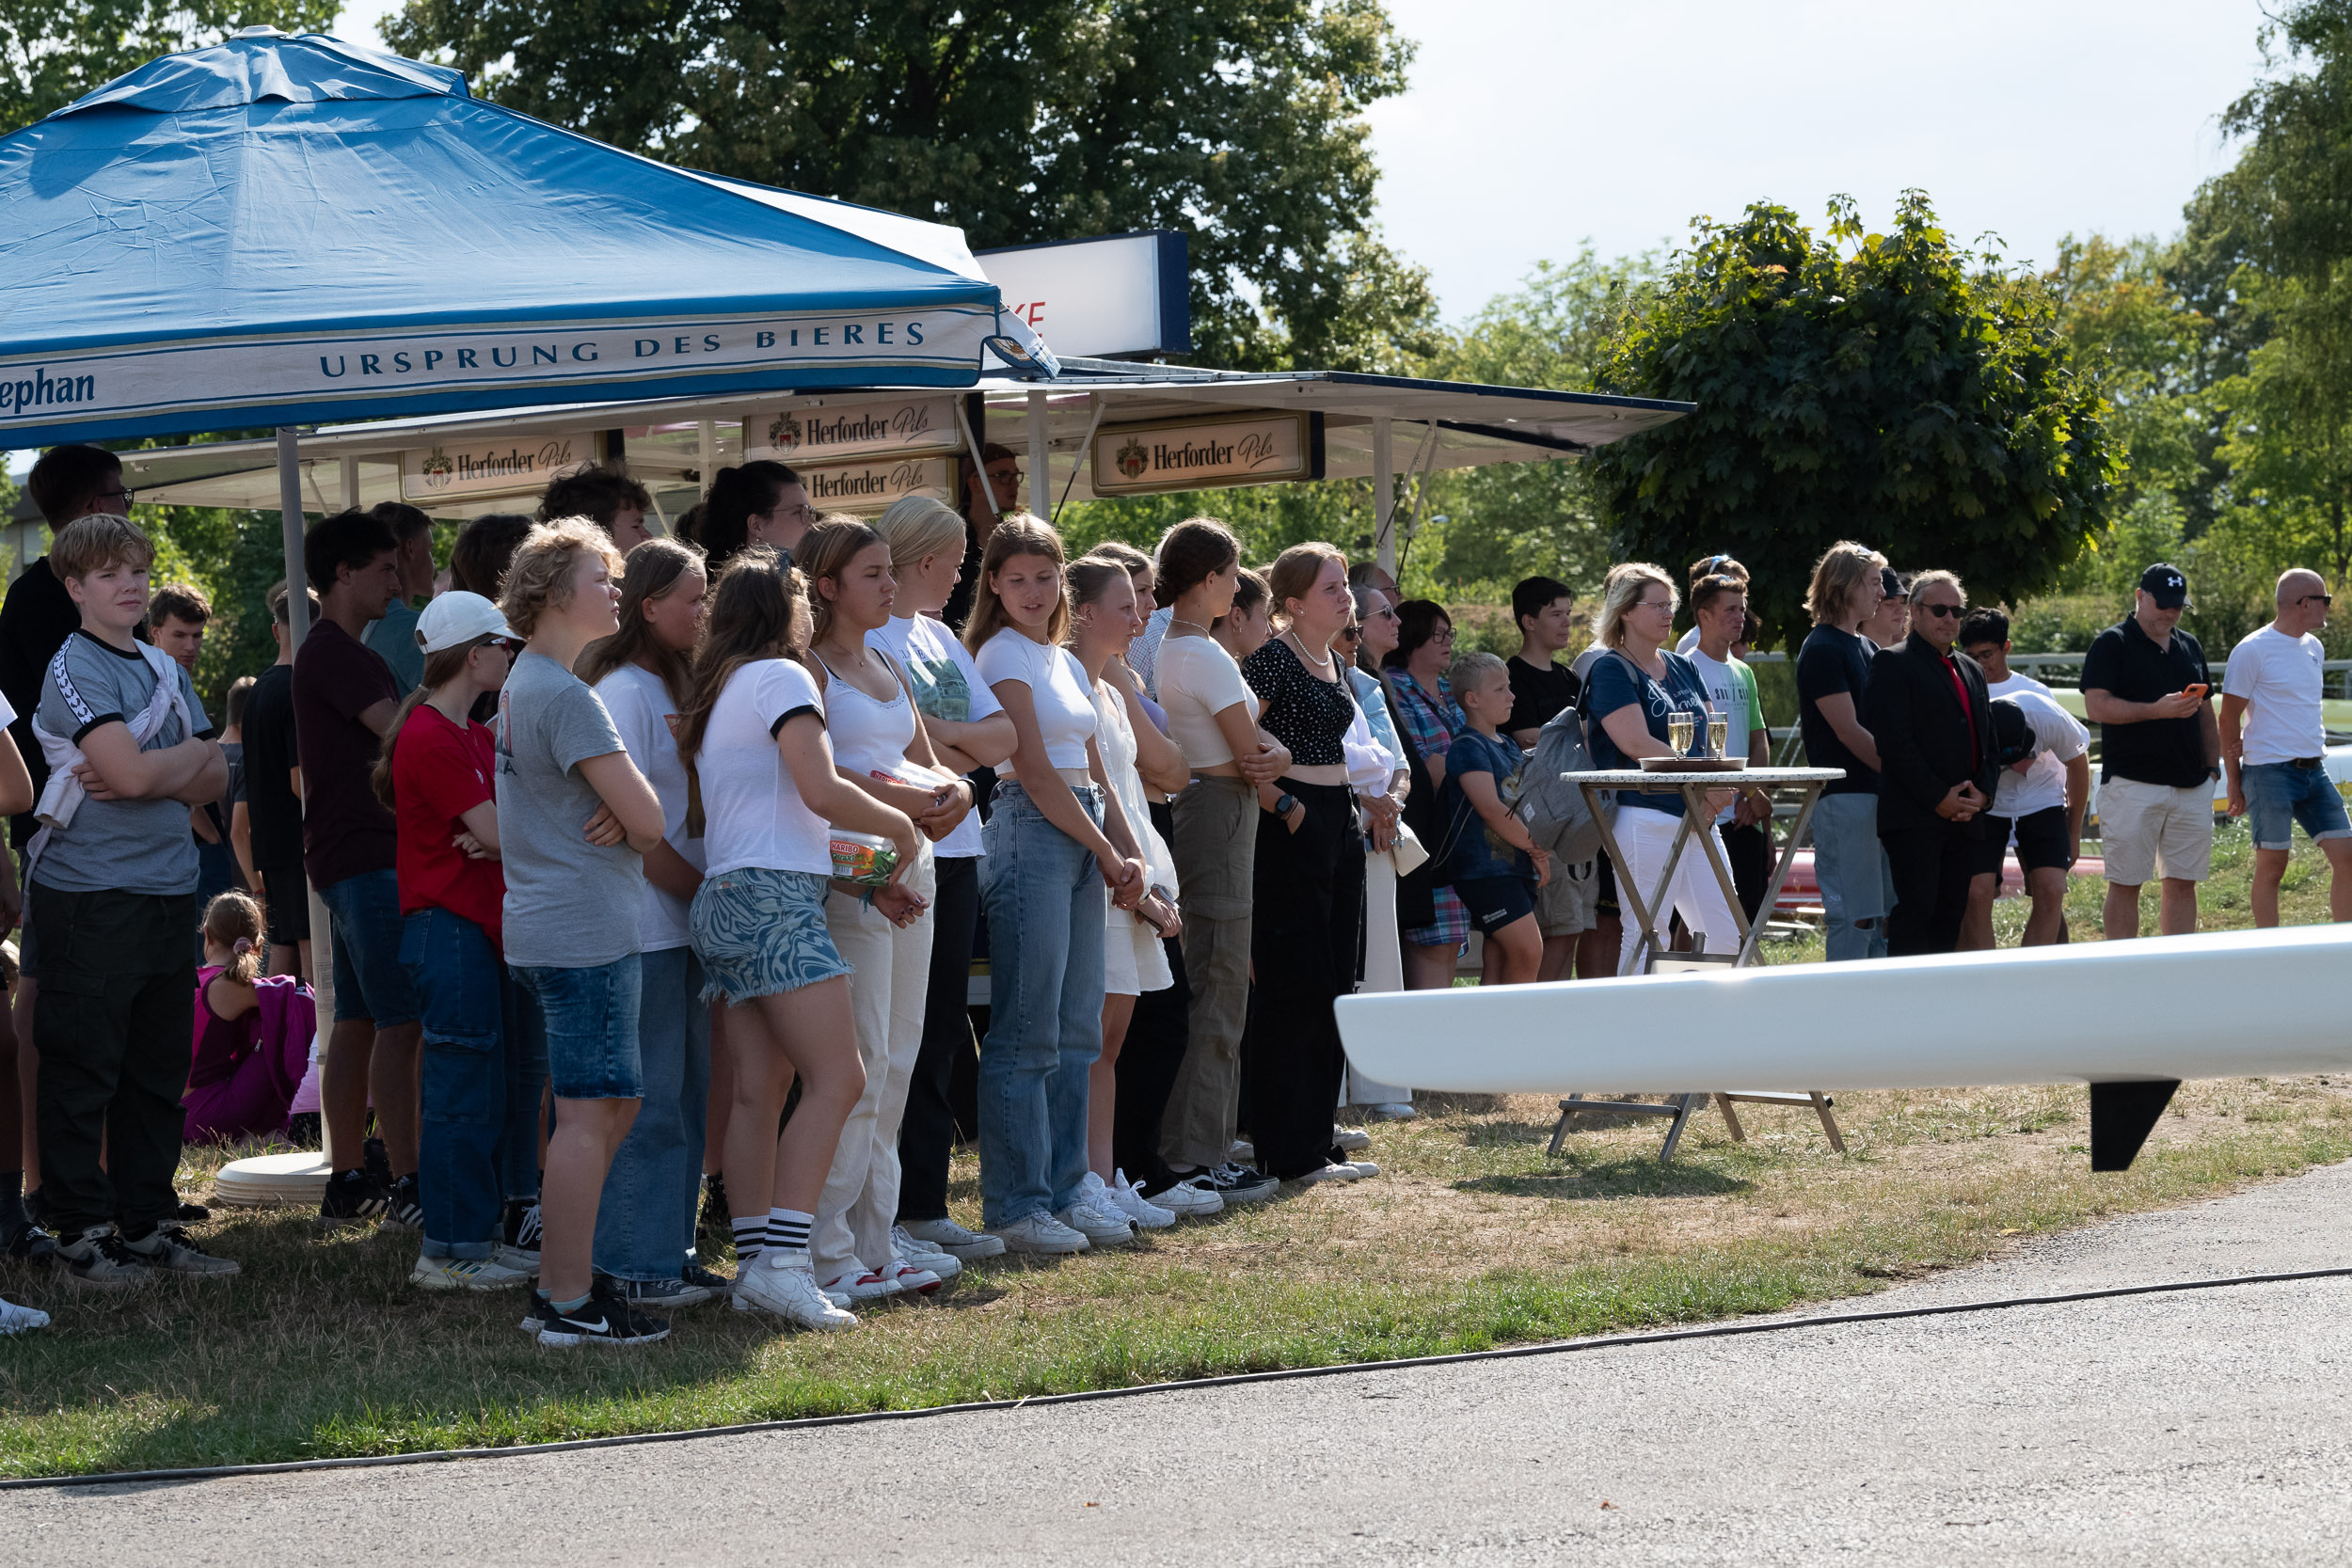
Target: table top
1633	778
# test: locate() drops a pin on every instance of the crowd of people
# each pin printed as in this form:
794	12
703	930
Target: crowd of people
654	868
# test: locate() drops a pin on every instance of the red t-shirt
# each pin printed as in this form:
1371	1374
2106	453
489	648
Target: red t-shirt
439	773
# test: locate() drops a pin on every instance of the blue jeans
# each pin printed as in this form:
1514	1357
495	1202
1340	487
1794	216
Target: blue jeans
2279	795
1857	883
1046	920
645	1223
591	1014
456	973
366	935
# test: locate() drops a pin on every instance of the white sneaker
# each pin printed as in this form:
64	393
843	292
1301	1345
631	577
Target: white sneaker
465	1273
1242	1152
1121	1197
1101	1226
955	1240
779	1282
16	1320
1363	1167
857	1283
908	1279
1328	1171
1350	1139
1400	1110
1186	1201
926	1256
1041	1233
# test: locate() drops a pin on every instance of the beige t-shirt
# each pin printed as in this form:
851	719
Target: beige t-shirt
1200	680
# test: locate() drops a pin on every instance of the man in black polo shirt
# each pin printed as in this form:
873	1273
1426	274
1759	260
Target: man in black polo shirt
2145	685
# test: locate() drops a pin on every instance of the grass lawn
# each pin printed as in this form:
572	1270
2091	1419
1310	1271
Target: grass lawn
1471	1238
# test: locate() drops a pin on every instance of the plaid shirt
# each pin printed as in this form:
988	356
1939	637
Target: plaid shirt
1431	723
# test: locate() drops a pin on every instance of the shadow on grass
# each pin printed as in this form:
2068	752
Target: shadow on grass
1642	1178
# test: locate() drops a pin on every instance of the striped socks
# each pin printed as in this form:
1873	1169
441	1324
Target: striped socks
750	1234
787	1229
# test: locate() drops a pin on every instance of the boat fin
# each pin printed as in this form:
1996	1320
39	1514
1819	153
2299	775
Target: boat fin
2121	1117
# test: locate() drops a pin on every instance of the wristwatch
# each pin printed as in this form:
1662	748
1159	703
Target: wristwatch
1283	802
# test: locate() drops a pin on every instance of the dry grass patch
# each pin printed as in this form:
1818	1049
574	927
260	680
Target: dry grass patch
1471	1238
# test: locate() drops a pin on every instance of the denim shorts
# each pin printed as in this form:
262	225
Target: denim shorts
760	931
590	1018
370	982
2279	795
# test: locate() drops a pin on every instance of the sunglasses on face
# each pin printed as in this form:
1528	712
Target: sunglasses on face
509	644
2319	598
1351	634
1384	614
1953	611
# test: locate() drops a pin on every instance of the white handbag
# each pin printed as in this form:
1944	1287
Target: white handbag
1408	852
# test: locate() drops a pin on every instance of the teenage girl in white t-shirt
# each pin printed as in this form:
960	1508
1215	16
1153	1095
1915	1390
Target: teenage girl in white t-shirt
1054	828
752	731
879	746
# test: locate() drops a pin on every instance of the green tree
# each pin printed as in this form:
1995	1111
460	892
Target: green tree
1237	121
1891	388
52	51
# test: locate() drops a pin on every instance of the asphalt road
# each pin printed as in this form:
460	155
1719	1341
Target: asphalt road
2207	1427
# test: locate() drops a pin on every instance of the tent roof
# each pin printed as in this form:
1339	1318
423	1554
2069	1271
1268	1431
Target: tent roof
278	194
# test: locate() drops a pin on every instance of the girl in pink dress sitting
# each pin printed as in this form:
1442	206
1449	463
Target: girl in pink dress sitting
252	1032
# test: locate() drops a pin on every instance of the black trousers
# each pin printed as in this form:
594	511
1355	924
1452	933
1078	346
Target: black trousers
926	1134
112	1022
1931	868
1750	852
1149	1060
1310	891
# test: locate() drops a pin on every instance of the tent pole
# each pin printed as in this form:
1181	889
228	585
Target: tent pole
1383	495
350	478
706	451
298	627
1041	459
971	444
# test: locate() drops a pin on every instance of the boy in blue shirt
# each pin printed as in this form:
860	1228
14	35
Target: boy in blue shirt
1492	859
109	903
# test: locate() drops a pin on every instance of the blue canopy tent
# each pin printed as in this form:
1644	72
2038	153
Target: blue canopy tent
279	230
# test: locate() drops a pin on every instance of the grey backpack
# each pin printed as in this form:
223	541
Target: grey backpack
1553	807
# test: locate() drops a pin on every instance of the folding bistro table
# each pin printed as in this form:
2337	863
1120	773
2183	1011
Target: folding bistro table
1649	957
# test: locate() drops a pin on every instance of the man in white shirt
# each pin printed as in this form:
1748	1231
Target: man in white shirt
2037	805
2276	767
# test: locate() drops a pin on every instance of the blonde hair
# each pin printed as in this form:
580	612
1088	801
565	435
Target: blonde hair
1294	573
94	543
1016	533
540	577
1468	668
1836	576
916	526
1620	592
233	921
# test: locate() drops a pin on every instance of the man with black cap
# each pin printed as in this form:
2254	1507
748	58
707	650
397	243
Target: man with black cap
1933	724
2145	685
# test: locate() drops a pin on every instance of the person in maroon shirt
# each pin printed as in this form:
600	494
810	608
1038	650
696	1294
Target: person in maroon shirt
344	698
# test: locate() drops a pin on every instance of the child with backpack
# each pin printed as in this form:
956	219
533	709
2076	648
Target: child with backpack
253	1031
1492	860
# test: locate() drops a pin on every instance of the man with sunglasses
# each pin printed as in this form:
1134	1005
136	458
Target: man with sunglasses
2274	743
1933	720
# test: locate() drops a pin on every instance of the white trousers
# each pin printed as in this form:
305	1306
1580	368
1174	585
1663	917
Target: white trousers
860	1202
1384	970
1644	837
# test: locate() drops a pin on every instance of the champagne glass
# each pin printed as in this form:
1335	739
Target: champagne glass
1719	737
1678	730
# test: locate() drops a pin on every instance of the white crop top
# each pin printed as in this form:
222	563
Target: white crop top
1200	680
1057	690
753	813
869	735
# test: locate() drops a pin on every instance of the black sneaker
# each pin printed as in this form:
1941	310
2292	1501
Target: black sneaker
352	1198
167	1249
27	1243
665	1294
191	1214
1236	1184
519	1235
604	1319
714	1227
101	1260
716	1284
405	1208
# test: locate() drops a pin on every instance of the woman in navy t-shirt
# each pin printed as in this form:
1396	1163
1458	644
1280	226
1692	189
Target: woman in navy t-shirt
1631	693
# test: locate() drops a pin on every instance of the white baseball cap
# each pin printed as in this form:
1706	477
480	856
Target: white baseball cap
456	618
